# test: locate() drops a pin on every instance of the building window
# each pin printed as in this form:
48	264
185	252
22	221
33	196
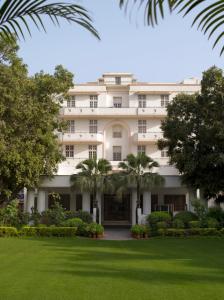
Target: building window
92	126
71	126
175	202
117	153
164	100
141	126
78	201
141	149
71	101
117	132
117	101
93	101
141	101
92	151
164	153
69	151
117	80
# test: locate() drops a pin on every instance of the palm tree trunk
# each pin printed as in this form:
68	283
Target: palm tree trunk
138	204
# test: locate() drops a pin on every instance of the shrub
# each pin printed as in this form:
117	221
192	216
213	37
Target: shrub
54	215
8	231
221	231
49	231
216	213
83	215
194	224
158	216
10	214
139	230
161	225
178	224
78	223
35	217
193	231
175	232
212	223
199	209
95	230
208	231
185	217
172	232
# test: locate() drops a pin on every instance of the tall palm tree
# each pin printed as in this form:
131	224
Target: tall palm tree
209	14
137	172
17	15
93	177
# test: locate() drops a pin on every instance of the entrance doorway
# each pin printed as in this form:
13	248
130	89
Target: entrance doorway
116	211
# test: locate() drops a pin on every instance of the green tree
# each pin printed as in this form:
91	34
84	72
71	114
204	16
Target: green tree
93	177
17	15
137	172
194	134
28	122
209	14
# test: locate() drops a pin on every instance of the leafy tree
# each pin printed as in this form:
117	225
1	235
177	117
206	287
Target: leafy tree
194	134
93	177
209	14
137	172
28	122
17	15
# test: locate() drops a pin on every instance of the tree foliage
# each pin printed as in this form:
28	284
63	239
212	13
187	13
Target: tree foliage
137	172
194	134
93	177
28	121
209	14
16	16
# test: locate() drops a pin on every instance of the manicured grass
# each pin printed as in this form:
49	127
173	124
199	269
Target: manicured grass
161	269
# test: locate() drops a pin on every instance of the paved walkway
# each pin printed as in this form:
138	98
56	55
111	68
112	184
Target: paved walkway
117	234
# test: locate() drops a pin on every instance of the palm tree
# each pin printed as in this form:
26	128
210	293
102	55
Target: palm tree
93	177
137	172
17	15
209	14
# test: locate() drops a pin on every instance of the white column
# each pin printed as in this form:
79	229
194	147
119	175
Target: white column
86	201
187	197
133	205
30	200
41	197
146	202
198	194
98	197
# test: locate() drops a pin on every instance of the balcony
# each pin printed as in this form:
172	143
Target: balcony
148	137
80	137
152	111
80	112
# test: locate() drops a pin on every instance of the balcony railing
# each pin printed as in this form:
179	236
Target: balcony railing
113	111
152	111
81	137
147	137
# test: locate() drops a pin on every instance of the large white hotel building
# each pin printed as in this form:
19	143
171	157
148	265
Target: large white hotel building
111	118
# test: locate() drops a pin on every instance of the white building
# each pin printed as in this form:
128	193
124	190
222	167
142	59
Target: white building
109	119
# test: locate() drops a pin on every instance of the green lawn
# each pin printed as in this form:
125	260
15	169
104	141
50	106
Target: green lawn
85	269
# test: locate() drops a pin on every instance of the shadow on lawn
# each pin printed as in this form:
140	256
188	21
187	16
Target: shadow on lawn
168	261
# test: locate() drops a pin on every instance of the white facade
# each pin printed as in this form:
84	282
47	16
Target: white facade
109	119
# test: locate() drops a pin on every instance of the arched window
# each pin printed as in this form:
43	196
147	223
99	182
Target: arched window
117	131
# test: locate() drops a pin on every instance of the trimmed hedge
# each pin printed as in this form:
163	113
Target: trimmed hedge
8	231
49	231
190	232
186	217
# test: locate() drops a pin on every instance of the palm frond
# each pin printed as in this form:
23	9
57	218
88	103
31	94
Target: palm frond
209	19
17	15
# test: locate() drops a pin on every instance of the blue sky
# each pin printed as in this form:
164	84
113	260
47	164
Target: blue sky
169	52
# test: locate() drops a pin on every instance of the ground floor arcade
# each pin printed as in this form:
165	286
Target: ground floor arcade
112	209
